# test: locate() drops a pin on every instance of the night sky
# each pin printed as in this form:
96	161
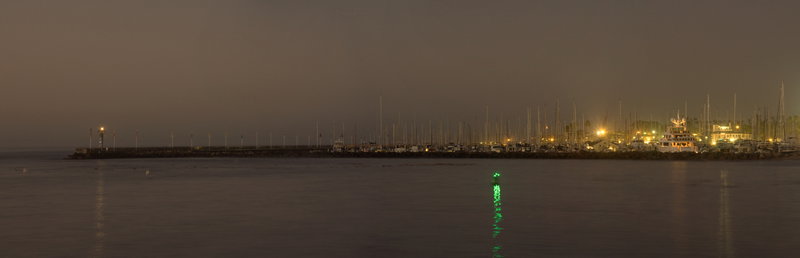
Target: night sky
279	66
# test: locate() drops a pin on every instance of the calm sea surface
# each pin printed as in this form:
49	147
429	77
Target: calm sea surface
395	208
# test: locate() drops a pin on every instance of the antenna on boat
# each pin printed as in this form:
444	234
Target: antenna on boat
686	111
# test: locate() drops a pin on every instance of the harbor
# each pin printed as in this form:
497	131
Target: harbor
676	136
305	152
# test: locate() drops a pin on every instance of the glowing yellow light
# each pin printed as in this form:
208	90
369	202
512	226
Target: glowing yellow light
713	142
732	140
601	132
552	139
737	127
654	132
770	139
102	128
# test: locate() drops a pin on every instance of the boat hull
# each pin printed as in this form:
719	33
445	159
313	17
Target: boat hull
677	149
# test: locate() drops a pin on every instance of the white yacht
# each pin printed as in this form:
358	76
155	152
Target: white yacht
677	138
338	145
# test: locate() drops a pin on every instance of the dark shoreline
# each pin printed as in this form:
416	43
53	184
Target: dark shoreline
186	152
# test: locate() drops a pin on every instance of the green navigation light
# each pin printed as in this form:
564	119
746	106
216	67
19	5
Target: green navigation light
496	178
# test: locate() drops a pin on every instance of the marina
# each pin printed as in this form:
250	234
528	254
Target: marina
303	152
683	137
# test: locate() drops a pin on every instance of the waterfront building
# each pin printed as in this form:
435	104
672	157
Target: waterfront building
728	133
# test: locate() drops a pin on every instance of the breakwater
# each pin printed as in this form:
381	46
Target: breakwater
324	152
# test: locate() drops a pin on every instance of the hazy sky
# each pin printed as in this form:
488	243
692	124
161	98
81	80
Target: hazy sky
247	66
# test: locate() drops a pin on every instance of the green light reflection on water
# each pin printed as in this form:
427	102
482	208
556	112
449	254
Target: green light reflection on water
498	215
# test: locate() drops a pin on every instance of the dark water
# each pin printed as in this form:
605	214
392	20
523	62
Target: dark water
396	208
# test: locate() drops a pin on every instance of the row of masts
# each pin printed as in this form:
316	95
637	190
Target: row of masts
499	130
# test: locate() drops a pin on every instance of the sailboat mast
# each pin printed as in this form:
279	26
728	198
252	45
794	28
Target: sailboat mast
734	109
538	125
782	117
486	127
557	133
574	128
380	121
528	128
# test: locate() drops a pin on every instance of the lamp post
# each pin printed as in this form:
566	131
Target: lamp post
101	132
